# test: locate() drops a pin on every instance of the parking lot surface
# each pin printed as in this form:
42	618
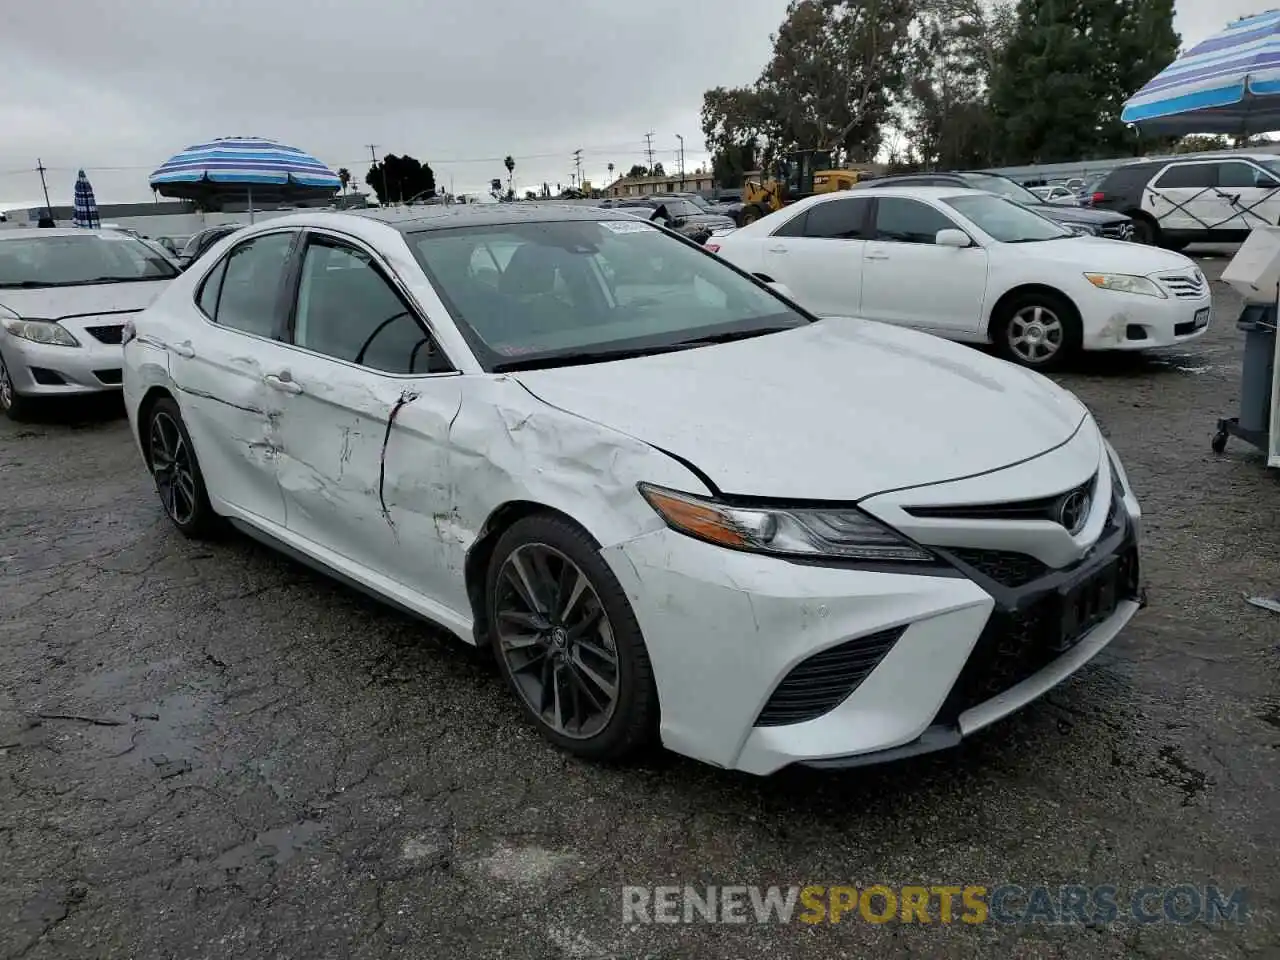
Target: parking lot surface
207	750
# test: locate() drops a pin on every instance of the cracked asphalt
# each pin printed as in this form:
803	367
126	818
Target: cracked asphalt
210	751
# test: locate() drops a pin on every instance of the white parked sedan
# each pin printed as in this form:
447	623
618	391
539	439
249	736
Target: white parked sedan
971	266
670	502
64	298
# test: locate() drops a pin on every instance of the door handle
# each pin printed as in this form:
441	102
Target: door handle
777	249
877	256
283	381
184	349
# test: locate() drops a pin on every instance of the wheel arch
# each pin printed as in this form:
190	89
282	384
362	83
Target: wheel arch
145	406
475	566
997	309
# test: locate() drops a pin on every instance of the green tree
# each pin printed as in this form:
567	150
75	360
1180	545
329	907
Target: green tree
657	170
638	170
344	178
1069	67
405	178
510	164
731	163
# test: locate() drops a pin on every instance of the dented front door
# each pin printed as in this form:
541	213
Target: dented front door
364	466
232	414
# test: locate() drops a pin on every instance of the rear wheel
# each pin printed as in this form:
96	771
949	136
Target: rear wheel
1038	329
12	404
176	472
567	640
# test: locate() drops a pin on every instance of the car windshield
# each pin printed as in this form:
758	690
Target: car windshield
68	261
1002	186
550	293
679	207
1005	220
700	203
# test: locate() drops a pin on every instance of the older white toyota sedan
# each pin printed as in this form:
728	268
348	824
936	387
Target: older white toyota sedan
673	503
65	296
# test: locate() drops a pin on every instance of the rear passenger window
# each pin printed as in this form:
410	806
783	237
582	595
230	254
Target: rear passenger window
250	292
1198	175
348	310
843	219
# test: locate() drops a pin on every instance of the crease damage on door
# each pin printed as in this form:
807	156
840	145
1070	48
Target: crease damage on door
248	394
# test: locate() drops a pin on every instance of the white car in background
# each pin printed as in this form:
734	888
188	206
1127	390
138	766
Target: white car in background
671	503
972	266
65	296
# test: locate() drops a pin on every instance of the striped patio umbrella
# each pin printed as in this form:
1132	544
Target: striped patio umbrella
244	168
1227	84
86	207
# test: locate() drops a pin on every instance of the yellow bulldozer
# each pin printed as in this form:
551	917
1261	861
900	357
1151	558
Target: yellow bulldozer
794	176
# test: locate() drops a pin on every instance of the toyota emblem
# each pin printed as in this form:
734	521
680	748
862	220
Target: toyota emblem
1073	511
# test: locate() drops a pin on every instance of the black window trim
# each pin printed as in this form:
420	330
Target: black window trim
337	239
278	325
1154	182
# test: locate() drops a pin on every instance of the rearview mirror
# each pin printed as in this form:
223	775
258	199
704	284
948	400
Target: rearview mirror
952	238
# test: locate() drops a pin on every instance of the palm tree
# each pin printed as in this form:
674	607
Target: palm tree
510	164
611	173
344	177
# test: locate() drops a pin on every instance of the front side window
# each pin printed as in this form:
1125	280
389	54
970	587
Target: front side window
82	260
1005	220
1239	175
579	291
249	297
348	310
901	220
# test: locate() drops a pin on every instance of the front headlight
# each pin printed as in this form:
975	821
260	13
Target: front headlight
1082	230
834	533
1124	283
41	331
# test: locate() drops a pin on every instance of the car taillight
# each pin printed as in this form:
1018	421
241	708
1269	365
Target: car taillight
1098	197
127	333
713	247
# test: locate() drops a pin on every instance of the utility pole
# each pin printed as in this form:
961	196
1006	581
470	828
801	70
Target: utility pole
48	207
373	155
577	166
648	139
681	139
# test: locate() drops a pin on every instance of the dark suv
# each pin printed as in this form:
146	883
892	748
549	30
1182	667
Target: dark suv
1081	220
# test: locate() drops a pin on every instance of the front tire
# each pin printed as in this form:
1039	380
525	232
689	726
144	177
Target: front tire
12	404
750	215
176	472
1038	329
1145	230
567	640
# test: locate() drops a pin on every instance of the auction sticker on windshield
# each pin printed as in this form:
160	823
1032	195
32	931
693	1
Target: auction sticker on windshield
626	226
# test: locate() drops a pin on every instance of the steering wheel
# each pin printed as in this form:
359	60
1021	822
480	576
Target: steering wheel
377	330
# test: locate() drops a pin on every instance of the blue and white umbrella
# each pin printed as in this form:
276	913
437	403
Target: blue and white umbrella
1228	84
86	207
244	168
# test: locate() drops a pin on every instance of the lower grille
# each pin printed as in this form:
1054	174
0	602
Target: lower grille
1118	231
824	681
47	378
108	376
113	334
1003	566
1015	645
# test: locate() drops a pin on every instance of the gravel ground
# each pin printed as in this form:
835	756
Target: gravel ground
209	751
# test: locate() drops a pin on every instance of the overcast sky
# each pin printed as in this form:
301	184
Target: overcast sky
118	87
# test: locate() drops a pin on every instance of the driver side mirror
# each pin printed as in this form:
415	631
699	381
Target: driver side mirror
952	238
1267	183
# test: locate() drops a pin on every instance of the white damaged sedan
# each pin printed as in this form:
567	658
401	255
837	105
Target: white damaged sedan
674	504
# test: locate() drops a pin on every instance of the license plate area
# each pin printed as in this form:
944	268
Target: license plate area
1201	319
1084	605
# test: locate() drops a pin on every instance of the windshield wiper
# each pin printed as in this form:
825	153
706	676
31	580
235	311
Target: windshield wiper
25	284
731	336
579	357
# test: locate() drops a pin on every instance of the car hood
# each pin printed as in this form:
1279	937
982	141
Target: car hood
1100	255
56	303
838	410
1065	214
705	220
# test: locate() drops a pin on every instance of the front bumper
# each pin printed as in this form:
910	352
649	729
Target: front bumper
42	370
1123	321
737	640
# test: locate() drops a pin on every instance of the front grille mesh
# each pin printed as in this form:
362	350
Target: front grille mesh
113	334
824	681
